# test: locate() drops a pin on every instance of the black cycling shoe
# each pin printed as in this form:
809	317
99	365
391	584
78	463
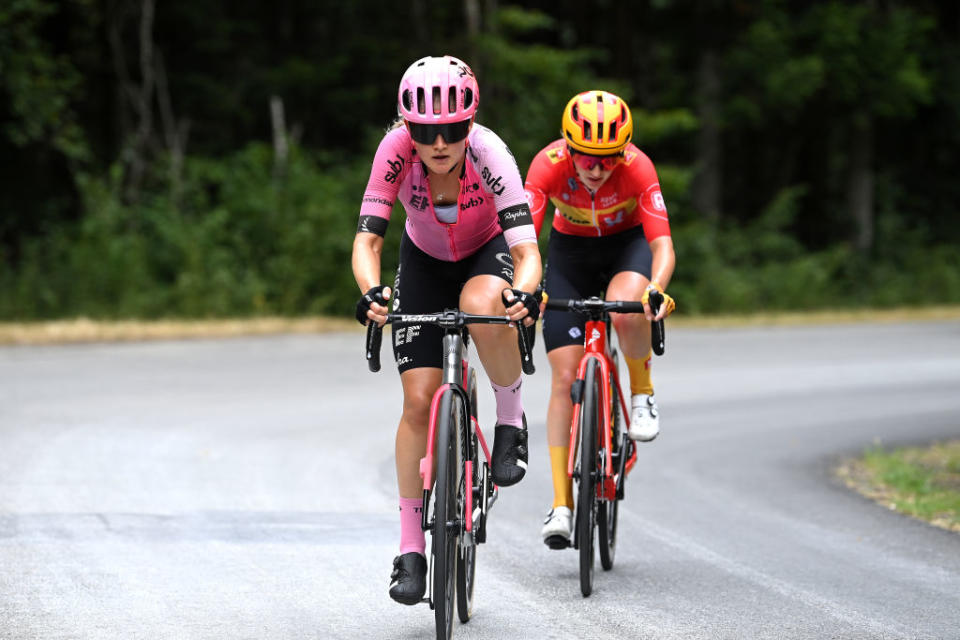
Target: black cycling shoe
509	454
408	582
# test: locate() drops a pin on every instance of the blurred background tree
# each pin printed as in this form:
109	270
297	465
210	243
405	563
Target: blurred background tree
207	159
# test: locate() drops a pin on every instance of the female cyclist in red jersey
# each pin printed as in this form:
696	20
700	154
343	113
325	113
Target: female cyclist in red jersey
610	233
468	243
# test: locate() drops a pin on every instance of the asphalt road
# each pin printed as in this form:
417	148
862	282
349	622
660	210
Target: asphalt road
244	488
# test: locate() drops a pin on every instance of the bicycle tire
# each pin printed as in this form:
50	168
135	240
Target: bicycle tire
587	499
446	524
607	514
467	558
608	510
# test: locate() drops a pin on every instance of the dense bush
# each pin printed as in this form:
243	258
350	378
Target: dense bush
241	238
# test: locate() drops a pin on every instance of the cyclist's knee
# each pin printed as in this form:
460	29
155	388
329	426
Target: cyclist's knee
416	407
627	323
561	379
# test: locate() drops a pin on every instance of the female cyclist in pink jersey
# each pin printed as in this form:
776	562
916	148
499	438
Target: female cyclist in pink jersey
610	234
468	243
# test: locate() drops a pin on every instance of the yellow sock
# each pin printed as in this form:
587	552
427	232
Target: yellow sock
562	485
639	369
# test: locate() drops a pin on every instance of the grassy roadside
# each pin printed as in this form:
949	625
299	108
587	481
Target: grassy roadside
923	482
86	330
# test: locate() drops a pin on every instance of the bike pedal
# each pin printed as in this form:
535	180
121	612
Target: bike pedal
557	542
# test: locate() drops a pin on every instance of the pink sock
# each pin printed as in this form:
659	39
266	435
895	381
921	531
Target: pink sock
411	535
509	404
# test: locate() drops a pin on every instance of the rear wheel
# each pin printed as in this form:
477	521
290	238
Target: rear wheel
447	515
587	499
467	559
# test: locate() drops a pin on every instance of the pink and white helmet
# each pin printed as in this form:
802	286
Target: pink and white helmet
438	91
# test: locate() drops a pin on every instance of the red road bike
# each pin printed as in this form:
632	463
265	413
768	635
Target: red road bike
601	454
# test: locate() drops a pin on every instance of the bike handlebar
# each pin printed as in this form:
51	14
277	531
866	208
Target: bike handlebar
658	334
596	308
449	319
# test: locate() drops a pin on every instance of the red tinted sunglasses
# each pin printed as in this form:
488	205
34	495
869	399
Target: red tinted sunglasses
451	132
587	162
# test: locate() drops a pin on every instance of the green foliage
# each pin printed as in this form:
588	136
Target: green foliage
921	482
38	83
241	242
230	233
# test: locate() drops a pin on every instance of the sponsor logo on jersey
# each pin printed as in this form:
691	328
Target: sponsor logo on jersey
612	221
556	155
609	201
572	184
419	202
376	200
396	166
493	183
657	199
575	333
471	202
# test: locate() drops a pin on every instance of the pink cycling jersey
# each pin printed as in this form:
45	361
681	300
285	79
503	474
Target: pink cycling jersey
491	199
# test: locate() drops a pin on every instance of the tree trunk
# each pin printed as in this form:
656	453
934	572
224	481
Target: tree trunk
279	125
143	103
707	183
860	184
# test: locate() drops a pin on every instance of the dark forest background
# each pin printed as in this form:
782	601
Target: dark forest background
206	158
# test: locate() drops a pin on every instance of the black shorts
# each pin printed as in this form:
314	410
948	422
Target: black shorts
579	267
426	285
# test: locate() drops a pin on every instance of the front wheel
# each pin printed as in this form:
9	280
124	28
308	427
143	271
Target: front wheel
608	510
467	559
587	499
607	529
447	513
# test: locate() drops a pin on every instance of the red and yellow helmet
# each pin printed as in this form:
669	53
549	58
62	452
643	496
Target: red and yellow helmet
597	122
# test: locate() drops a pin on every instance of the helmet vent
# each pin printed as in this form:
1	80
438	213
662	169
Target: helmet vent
600	131
437	101
613	131
452	100
587	131
575	113
407	100
467	98
421	101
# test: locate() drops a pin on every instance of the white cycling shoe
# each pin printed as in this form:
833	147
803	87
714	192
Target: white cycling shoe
644	418
557	528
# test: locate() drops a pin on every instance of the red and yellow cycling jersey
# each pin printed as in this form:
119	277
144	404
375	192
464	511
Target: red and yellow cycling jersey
630	197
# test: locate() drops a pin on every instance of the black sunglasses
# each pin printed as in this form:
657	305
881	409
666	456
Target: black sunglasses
451	131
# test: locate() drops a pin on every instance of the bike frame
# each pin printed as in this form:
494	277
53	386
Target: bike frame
597	347
455	371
